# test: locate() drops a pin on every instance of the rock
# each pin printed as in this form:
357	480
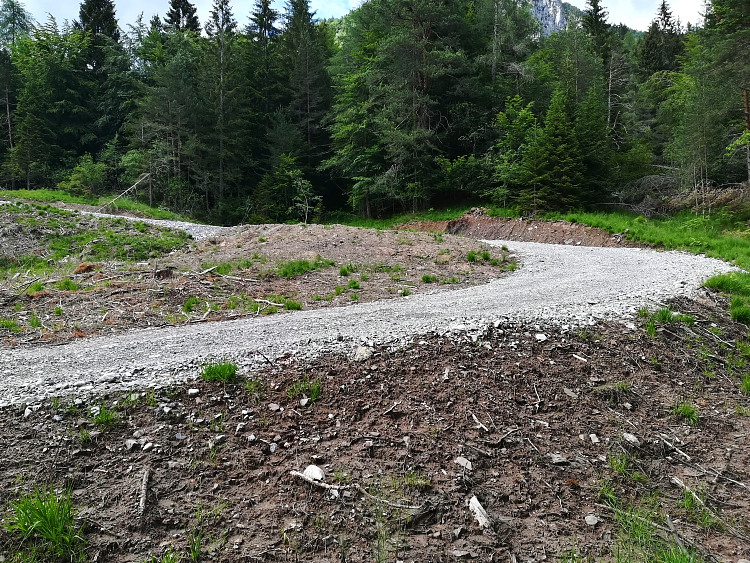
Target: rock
240	427
479	513
594	438
631	439
570	393
362	354
557	459
314	472
148	446
592	520
457	532
540	337
179	436
460	553
743	561
27	412
193	392
274	407
465	463
303	402
273	447
132	444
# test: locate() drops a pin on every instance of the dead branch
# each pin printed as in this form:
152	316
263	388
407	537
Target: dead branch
737	533
356	486
144	494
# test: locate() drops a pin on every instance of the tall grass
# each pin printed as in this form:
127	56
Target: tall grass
353	220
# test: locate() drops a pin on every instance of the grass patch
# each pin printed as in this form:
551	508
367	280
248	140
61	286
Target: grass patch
686	413
225	372
295	268
10	324
352	220
35	287
46	524
427	278
190	304
103	417
313	390
67	284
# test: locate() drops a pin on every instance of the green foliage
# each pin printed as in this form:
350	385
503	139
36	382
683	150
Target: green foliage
313	390
67	284
225	372
87	177
296	268
103	417
46	521
9	324
686	413
190	304
428	278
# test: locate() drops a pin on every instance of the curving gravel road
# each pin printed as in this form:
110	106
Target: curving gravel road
558	285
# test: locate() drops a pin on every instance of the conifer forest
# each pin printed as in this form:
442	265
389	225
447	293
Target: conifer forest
401	105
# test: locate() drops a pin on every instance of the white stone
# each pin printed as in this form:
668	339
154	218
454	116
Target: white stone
592	520
314	472
465	463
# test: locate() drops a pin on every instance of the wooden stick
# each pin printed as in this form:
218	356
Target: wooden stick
356	486
144	494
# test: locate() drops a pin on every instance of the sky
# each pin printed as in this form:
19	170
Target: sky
635	13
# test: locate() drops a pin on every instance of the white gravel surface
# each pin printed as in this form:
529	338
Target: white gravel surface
556	285
198	232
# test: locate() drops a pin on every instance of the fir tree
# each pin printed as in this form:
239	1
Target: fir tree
182	16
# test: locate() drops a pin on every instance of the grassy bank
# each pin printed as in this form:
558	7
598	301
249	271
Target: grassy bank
122	204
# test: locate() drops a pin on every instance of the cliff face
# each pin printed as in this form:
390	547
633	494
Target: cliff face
550	14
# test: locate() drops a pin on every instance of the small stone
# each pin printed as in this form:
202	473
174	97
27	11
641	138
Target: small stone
628	406
220	439
594	438
460	553
303	402
743	561
570	393
465	463
362	354
314	472
240	427
273	407
557	459
148	446
251	438
540	337
193	392
592	520
273	447
457	532
631	439
27	412
132	444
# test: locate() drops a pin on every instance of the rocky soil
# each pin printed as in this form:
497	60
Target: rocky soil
525	438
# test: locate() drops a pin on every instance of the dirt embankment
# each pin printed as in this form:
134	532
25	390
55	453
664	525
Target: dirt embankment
480	226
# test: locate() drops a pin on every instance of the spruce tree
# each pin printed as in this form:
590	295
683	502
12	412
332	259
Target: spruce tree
595	23
553	161
182	16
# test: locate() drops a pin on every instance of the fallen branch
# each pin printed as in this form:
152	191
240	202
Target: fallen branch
675	448
397	403
144	494
269	303
737	533
356	486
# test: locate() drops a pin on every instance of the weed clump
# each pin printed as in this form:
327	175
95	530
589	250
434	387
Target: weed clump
225	372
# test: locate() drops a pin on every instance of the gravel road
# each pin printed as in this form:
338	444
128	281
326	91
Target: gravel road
558	285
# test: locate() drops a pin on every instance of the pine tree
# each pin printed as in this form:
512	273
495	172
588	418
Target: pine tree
15	22
553	161
595	23
182	16
662	43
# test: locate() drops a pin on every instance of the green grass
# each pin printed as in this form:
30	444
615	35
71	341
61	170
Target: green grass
745	384
35	287
686	413
121	204
427	278
67	284
390	222
313	390
225	372
9	324
104	417
190	304
46	522
294	268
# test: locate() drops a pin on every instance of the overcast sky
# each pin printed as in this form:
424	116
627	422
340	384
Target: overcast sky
635	13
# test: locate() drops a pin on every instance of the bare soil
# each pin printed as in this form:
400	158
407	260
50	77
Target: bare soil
540	420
